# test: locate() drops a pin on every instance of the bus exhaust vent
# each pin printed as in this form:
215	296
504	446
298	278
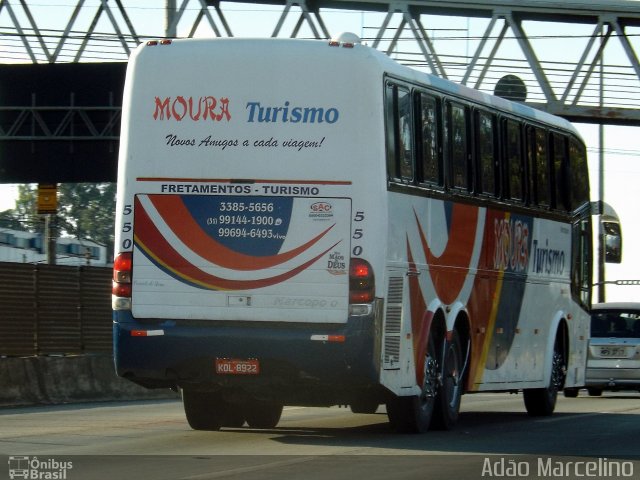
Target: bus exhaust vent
393	324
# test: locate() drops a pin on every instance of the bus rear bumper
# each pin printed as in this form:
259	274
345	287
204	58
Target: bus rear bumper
298	363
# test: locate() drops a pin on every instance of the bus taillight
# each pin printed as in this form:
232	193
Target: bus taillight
361	282
121	289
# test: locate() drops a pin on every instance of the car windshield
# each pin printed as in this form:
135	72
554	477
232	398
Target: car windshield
615	324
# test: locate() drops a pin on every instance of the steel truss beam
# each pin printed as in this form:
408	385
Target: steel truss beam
407	25
61	123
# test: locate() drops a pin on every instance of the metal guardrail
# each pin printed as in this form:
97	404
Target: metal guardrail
63	310
54	310
618	282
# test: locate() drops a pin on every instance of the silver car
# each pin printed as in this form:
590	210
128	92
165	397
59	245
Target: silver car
613	361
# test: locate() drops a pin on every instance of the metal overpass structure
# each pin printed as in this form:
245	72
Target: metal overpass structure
576	58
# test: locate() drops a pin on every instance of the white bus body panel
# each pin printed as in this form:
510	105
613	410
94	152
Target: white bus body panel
222	153
508	273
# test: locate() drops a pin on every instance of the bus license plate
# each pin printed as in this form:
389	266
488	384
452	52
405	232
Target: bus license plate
236	366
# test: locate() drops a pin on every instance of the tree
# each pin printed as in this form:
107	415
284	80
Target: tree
23	216
86	211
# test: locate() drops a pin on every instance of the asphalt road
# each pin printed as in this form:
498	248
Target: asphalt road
494	438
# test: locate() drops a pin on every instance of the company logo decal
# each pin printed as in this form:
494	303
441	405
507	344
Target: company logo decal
548	260
321	211
321	207
337	263
512	245
286	114
201	108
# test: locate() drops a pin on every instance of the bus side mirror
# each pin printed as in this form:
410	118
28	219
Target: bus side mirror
612	242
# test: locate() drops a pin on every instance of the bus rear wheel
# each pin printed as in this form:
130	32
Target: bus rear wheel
208	411
447	405
260	414
413	414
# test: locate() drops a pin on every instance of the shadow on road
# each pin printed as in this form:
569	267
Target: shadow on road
563	434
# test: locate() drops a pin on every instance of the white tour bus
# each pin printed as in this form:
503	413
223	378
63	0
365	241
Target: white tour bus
305	222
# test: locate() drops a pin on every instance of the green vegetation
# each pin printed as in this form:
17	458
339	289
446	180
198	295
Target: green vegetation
85	211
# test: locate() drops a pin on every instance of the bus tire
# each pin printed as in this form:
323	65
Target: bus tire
541	402
234	417
202	410
447	404
414	414
594	392
260	414
571	392
364	405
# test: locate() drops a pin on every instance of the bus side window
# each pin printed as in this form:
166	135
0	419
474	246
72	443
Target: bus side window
543	179
486	153
457	142
538	165
579	174
429	154
399	132
560	172
530	157
405	131
514	163
390	122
